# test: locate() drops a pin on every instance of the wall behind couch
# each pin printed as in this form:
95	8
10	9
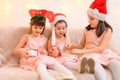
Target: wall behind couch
15	12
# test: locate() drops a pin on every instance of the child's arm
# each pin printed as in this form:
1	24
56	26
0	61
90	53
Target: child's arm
19	48
77	45
45	48
103	45
52	50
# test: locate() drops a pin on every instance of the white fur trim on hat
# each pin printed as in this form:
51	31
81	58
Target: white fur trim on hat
57	18
95	13
53	37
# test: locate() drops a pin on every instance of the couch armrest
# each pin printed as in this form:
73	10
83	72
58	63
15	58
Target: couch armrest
114	47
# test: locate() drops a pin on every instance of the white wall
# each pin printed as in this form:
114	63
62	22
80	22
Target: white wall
15	12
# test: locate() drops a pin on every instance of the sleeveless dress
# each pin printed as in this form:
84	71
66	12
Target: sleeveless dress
31	62
93	41
64	55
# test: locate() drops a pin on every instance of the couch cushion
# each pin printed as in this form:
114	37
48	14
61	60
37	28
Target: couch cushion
15	73
9	37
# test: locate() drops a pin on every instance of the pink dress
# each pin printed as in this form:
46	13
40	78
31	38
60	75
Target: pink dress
31	62
64	55
93	41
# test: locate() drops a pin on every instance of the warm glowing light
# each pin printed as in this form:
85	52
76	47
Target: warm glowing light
66	8
33	5
117	17
80	1
7	9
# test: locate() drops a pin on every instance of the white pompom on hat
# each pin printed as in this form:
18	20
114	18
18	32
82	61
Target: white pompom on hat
58	17
98	9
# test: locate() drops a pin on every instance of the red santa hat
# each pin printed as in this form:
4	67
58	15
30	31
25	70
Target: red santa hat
98	9
58	17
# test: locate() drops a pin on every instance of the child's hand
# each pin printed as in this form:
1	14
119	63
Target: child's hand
54	51
43	51
23	52
76	51
68	45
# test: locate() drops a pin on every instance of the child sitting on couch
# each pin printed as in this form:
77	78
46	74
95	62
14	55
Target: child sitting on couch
32	48
57	42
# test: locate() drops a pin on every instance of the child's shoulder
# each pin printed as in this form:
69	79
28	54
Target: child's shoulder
43	36
25	36
85	30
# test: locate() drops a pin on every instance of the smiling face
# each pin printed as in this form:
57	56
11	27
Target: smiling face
37	26
60	29
37	30
93	21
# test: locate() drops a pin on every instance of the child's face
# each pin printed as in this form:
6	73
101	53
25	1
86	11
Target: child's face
60	29
37	30
93	21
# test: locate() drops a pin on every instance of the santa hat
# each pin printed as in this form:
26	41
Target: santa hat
98	9
58	17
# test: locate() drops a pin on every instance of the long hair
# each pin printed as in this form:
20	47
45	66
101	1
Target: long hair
37	22
102	26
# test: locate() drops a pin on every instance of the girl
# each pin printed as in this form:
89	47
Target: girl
60	36
95	41
32	48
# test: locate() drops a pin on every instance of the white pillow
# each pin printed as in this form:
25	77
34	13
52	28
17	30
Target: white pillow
2	58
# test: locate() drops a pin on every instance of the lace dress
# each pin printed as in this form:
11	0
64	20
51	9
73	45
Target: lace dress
31	62
93	41
64	55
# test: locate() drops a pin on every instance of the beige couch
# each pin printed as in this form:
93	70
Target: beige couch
9	36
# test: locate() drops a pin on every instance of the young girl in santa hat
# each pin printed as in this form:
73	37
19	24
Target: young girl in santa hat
95	40
56	45
32	48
